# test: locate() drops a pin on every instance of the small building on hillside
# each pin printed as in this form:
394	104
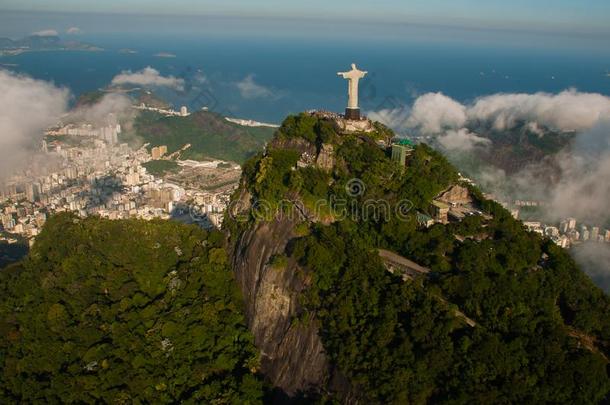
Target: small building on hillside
439	211
424	220
401	151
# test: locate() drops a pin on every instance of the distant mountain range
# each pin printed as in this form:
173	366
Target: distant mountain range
30	43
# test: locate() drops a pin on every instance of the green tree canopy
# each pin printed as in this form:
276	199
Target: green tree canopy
124	312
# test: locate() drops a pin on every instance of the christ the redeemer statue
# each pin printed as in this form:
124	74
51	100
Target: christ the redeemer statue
352	112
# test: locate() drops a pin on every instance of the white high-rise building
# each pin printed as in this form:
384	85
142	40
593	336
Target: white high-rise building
571	223
595	233
584	233
184	111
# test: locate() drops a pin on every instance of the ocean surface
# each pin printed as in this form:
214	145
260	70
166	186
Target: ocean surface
286	76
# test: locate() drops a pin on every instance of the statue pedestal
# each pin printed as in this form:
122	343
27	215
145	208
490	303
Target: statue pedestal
352	114
349	126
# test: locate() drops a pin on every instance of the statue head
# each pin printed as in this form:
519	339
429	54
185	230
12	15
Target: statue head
354	66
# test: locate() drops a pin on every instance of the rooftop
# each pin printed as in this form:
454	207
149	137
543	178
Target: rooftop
440	204
403	142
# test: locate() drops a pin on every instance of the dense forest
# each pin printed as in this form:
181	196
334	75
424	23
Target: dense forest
124	312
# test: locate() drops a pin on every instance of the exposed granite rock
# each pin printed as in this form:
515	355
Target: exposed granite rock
292	355
455	194
326	157
240	207
297	144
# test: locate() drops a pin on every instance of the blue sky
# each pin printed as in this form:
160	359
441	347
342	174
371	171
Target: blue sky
572	15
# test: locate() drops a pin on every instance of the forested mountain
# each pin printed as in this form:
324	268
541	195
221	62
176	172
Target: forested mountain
208	135
132	311
200	135
503	316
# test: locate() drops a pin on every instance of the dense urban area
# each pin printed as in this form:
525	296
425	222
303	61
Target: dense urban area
88	171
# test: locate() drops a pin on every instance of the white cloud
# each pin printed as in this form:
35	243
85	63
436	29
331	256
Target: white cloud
148	77
462	140
394	118
535	128
116	104
583	189
249	89
45	33
74	31
28	107
164	55
434	112
568	110
594	259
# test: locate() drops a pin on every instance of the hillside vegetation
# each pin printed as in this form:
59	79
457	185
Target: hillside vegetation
124	312
209	135
541	329
149	312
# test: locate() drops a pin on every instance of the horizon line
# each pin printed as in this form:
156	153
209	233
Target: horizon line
461	24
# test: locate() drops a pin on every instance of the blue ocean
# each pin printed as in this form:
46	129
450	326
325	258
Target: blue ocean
298	75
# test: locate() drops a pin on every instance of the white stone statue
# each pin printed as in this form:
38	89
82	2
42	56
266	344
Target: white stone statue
354	77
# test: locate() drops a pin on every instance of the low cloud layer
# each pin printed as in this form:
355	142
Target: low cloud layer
395	118
433	113
112	104
45	33
73	31
148	77
28	107
462	140
249	89
569	110
594	259
584	187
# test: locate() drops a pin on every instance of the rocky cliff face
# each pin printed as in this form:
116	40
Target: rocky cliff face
293	358
292	355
